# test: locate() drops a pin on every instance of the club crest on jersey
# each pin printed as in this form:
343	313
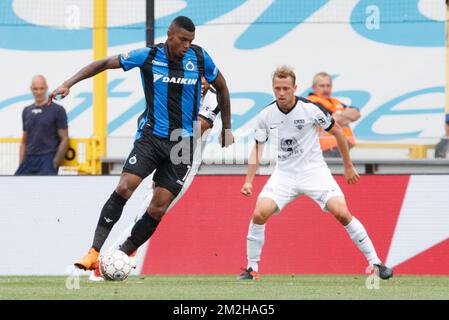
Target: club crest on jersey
190	66
133	160
299	123
290	147
126	55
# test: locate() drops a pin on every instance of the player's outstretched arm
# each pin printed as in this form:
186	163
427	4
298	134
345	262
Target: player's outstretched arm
224	103
253	165
351	174
88	71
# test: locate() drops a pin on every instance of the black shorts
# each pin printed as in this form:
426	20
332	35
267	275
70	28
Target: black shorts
172	160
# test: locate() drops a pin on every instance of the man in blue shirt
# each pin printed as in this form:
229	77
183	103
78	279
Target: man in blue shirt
442	147
45	138
171	78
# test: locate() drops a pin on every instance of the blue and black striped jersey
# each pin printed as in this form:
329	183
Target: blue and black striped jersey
172	89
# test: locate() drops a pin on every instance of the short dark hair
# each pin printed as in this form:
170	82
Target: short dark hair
184	23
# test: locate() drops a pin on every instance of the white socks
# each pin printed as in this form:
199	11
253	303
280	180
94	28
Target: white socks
355	229
254	244
361	239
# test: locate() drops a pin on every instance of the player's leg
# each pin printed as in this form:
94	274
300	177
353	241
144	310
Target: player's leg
203	125
149	191
358	234
95	275
146	203
275	195
110	214
144	228
141	161
169	179
113	208
255	238
337	206
320	186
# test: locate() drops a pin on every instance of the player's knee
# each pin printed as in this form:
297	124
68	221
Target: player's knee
126	188
156	211
342	214
260	216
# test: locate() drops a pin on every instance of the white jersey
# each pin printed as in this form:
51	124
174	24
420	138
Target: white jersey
296	134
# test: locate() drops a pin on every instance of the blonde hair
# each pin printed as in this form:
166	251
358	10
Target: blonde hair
320	74
285	72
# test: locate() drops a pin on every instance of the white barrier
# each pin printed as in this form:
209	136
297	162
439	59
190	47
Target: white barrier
46	223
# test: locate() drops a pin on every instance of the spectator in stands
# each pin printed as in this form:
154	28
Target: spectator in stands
45	137
442	147
342	114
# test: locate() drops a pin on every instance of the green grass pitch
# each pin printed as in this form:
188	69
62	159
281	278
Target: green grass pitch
290	287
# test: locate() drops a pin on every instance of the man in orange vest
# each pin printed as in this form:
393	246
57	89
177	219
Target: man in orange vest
342	114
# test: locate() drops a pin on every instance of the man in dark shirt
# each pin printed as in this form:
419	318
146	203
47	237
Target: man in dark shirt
45	135
442	147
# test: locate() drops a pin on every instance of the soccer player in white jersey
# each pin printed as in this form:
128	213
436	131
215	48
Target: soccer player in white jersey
207	114
293	123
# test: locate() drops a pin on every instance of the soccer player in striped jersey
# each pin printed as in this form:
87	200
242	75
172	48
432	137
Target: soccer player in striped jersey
208	112
171	76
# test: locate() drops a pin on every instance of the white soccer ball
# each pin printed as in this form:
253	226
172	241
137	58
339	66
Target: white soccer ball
115	265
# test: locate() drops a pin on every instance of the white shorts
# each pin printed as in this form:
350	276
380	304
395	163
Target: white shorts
318	184
209	114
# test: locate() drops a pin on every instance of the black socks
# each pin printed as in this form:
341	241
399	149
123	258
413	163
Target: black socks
141	232
110	214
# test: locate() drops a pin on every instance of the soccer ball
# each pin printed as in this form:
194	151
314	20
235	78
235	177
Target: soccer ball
115	265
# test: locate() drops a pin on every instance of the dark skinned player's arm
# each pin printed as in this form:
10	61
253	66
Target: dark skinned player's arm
223	99
224	103
204	125
88	71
